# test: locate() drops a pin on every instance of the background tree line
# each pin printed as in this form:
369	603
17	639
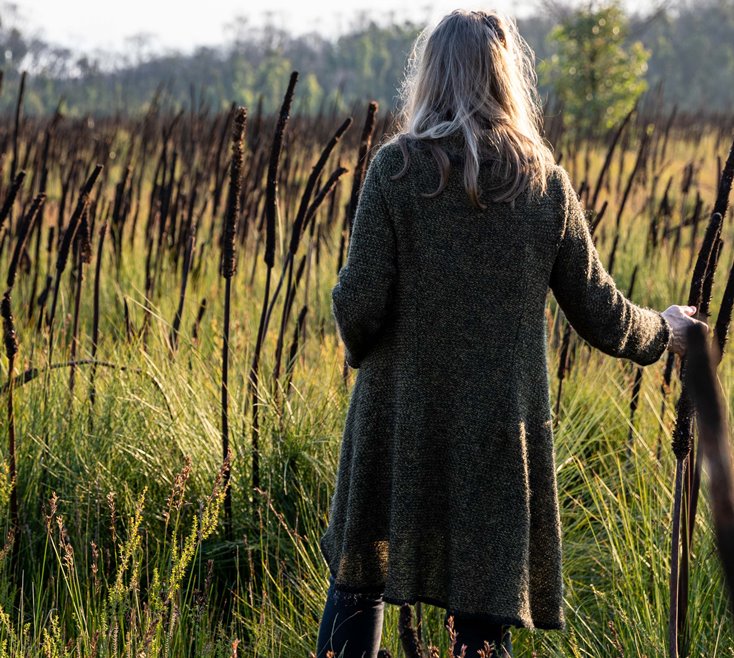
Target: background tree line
690	49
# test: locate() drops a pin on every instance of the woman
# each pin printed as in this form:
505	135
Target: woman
446	489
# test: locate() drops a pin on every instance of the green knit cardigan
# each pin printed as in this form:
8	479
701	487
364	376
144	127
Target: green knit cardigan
446	485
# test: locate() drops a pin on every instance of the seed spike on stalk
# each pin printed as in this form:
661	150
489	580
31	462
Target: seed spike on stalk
725	183
73	225
233	197
271	190
23	234
5	211
311	184
681	442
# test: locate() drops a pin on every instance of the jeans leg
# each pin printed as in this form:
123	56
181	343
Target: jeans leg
473	633
351	624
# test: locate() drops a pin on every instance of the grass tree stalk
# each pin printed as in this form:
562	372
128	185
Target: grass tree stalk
83	255
229	267
692	484
271	211
296	234
188	258
48	132
359	172
11	350
16	124
95	318
63	256
610	153
713	433
682	431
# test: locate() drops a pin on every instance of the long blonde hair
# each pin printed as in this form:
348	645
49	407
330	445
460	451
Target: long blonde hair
472	76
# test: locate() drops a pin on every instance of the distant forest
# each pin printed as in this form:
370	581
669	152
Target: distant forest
692	54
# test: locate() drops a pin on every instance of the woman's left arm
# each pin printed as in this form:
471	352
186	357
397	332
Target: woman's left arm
360	301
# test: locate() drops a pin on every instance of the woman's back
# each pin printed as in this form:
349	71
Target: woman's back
441	306
471	283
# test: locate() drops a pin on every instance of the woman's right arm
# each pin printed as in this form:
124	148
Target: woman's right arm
593	304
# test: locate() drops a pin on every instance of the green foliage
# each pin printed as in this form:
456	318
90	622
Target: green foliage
122	551
595	72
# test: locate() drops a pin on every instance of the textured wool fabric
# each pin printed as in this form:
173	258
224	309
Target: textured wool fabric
446	489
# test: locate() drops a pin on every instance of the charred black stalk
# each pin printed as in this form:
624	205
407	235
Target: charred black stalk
197	322
95	318
667	132
725	184
636	386
188	257
690	493
43	297
269	257
83	255
229	266
713	434
63	256
65	189
10	200
301	218
674	557
598	216
695	219
664	211
682	431
195	327
563	363
42	190
409	639
155	264
120	210
219	170
638	164
685	188
638	376
16	127
292	353
11	349
361	167
723	320
610	153
128	322
325	190
613	253
359	172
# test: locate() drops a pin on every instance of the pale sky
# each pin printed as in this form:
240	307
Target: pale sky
86	24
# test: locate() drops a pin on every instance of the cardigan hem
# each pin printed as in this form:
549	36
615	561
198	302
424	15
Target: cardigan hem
375	592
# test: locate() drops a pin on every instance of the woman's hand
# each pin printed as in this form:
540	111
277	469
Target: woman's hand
680	320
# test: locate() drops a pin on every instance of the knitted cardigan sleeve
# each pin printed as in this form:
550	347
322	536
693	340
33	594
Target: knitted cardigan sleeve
594	306
361	298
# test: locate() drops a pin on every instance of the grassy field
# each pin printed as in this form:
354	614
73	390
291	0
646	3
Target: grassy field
122	550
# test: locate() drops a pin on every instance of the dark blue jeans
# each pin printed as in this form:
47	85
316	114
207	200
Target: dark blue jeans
352	624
